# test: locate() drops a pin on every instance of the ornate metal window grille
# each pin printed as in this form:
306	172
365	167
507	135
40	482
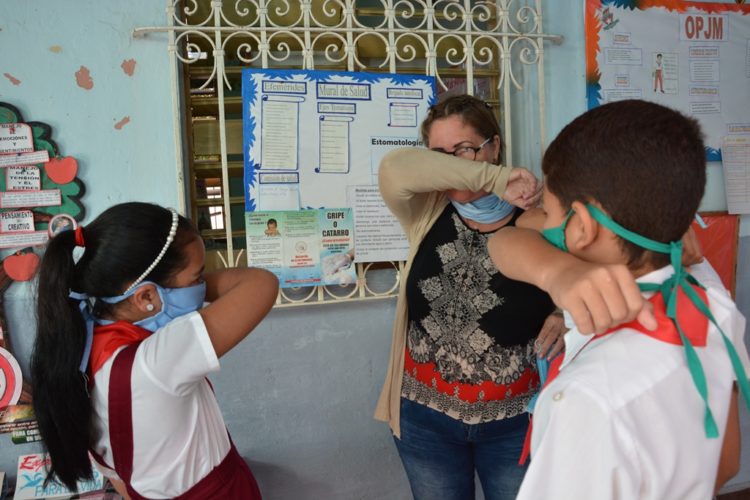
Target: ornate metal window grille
489	48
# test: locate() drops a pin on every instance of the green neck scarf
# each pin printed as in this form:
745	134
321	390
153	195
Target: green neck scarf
681	279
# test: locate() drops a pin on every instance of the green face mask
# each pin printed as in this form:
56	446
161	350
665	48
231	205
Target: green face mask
556	235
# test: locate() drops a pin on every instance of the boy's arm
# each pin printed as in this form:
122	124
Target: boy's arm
729	462
597	296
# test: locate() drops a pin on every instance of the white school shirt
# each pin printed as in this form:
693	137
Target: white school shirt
623	419
179	434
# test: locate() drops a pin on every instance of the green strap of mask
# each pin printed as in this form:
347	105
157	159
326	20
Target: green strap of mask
681	279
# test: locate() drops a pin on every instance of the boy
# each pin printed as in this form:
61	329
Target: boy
630	413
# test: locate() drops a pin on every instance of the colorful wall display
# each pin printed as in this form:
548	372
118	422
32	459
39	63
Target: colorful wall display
309	139
40	195
691	56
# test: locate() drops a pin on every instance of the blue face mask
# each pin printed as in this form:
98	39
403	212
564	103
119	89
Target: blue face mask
486	210
556	235
175	302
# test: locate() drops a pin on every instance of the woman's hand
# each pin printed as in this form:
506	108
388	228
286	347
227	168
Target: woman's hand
523	189
550	341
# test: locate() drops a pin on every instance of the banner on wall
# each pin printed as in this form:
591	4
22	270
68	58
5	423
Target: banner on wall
694	57
309	137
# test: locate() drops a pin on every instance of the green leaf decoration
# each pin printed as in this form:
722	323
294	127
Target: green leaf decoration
71	192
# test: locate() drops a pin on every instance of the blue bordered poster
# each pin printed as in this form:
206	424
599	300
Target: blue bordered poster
310	137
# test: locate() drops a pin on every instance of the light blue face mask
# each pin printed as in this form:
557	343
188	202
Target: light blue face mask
486	210
681	279
175	302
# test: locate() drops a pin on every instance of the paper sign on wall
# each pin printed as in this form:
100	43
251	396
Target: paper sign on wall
690	56
303	248
308	137
16	138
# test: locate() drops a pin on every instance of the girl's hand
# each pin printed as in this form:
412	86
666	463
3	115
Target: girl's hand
523	189
550	341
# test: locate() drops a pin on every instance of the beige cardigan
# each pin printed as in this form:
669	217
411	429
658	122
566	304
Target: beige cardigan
413	183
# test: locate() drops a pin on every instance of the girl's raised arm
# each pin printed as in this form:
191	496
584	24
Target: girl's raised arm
240	298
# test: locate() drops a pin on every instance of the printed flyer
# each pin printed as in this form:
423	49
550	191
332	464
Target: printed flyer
303	248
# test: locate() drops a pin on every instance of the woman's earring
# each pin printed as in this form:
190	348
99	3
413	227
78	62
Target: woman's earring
149	307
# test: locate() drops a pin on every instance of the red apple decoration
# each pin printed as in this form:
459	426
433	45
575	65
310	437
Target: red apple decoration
22	265
61	170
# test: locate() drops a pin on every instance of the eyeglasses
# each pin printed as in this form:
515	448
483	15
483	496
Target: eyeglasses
467	152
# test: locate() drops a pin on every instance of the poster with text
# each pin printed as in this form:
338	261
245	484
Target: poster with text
309	136
303	247
690	56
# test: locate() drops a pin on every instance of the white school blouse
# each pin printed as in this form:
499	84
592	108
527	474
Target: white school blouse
623	419
179	433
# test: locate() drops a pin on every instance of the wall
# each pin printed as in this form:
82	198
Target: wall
299	393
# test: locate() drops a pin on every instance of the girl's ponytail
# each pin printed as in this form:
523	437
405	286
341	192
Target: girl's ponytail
60	392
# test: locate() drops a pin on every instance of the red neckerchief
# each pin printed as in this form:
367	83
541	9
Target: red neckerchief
109	338
693	323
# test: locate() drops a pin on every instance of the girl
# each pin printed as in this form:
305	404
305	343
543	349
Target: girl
132	390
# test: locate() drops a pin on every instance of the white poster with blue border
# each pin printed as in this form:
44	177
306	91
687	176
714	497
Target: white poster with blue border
310	136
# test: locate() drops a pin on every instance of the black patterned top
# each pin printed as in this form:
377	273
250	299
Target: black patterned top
469	348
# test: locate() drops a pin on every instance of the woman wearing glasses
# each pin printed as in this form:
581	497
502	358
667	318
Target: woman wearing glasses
463	358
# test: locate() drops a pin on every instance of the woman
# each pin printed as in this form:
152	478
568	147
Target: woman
463	358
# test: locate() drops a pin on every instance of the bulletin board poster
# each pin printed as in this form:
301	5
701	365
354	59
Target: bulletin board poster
690	56
303	247
309	137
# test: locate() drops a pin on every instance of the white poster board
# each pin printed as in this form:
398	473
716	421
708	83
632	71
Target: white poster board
693	57
310	136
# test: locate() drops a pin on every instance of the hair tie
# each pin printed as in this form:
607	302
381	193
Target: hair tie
80	242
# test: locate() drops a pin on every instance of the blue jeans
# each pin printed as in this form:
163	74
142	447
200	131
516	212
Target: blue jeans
440	454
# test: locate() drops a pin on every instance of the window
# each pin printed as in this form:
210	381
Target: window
492	49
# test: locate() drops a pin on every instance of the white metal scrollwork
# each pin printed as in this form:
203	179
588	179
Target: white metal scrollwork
439	35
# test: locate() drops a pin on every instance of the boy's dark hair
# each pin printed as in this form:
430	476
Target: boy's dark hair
474	112
643	162
271	221
119	245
